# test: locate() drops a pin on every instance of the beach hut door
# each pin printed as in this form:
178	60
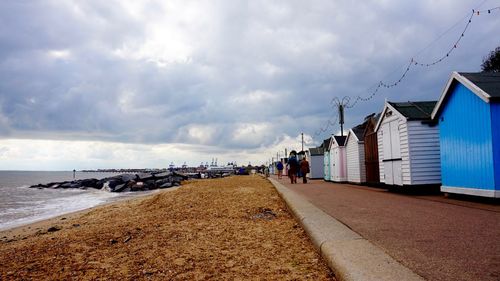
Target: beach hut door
392	153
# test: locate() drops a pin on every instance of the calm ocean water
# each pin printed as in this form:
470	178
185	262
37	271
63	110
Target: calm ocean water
20	204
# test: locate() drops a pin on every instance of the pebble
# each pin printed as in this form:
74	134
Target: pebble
53	229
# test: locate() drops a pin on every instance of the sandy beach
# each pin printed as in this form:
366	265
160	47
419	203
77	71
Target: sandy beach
234	228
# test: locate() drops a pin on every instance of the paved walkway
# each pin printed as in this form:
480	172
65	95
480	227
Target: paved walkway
437	237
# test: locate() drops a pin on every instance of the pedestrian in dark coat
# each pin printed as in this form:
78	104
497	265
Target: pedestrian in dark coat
304	169
279	166
293	166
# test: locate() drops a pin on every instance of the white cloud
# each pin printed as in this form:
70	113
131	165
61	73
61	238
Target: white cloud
254	98
59	54
31	154
270	69
253	134
201	134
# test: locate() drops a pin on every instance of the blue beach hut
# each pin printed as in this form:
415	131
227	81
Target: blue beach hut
468	113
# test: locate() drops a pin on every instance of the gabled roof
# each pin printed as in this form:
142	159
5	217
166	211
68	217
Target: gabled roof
485	85
417	110
357	132
373	116
340	140
371	119
327	143
489	82
316	151
411	110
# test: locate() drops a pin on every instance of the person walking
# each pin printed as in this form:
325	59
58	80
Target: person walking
279	166
266	172
293	166
304	169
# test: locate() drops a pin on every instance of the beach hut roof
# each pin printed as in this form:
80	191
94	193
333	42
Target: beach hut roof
371	121
486	85
316	151
326	144
340	140
411	110
374	116
357	132
415	110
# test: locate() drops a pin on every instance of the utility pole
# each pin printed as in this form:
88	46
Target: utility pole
341	119
302	141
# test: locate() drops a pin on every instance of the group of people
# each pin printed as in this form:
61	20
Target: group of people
296	168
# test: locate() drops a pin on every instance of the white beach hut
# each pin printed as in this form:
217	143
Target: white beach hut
355	151
338	165
316	162
326	158
408	144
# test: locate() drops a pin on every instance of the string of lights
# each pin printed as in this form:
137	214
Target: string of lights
350	102
330	122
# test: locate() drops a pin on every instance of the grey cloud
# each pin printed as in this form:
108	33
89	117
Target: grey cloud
296	56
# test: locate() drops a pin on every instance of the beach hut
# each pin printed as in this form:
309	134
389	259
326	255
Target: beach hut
371	150
468	113
408	144
355	151
338	162
326	158
316	162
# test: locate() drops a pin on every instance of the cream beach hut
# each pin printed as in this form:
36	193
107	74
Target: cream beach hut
338	164
408	144
355	151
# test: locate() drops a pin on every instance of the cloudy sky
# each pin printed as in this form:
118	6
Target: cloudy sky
96	84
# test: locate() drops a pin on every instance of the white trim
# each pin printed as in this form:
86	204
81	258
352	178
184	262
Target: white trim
334	143
351	132
464	81
382	115
332	139
471	191
357	139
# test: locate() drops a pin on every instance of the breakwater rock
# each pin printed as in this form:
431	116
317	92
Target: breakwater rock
123	182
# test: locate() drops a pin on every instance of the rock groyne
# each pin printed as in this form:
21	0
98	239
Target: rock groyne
123	182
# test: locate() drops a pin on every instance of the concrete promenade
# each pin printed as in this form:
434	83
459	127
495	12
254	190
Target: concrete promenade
438	238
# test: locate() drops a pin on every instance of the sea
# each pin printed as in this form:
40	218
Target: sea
20	204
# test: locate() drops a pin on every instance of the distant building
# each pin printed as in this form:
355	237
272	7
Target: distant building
468	113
